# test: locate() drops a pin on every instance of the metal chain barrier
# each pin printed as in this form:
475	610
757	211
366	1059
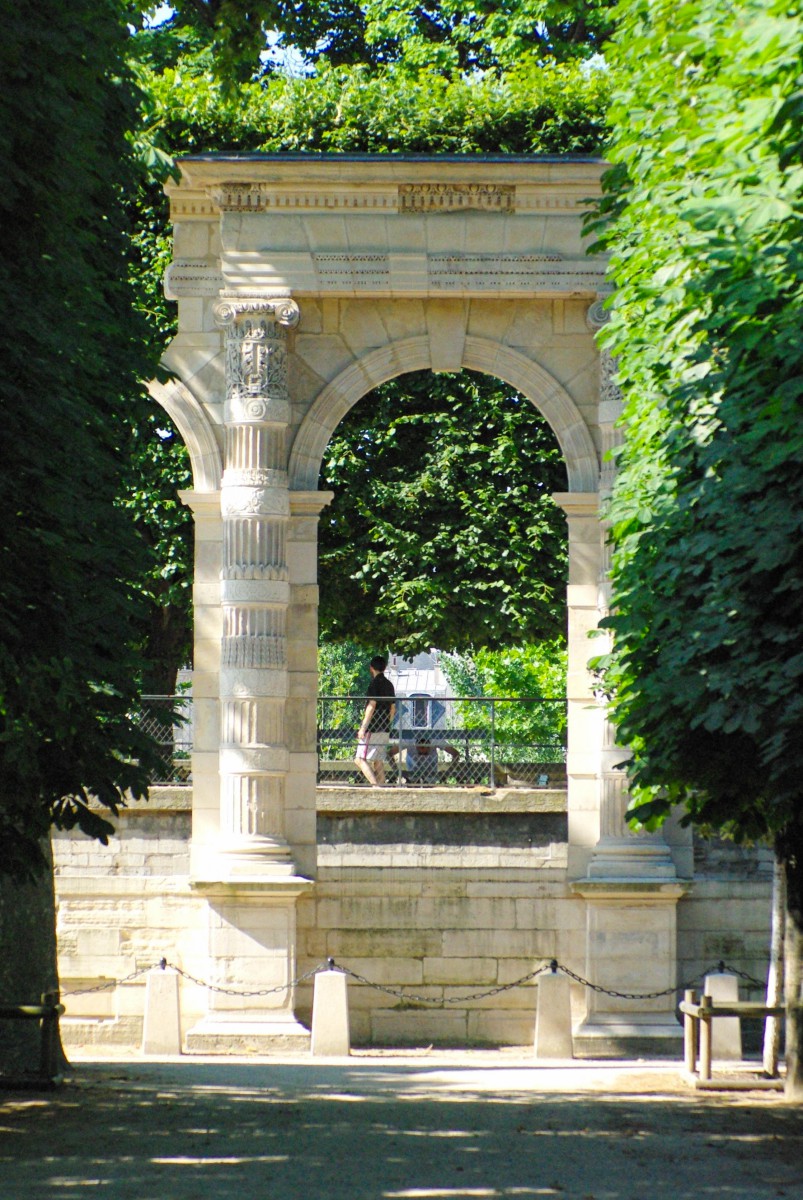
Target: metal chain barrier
213	987
110	983
412	997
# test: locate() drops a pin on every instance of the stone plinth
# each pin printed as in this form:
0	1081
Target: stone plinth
251	952
630	948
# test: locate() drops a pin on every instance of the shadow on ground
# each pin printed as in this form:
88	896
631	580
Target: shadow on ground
371	1130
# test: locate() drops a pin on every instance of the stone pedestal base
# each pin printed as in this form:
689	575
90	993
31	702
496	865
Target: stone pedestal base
251	967
630	948
218	1034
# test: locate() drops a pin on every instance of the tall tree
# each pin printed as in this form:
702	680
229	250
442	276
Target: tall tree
450	35
73	357
706	228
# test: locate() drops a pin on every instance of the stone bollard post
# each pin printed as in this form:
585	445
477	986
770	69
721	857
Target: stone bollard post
553	1020
161	1029
330	1015
726	1032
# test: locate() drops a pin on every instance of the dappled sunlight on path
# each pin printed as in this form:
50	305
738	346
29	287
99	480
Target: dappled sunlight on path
389	1128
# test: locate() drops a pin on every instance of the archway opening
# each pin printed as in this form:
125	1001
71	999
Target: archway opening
443	536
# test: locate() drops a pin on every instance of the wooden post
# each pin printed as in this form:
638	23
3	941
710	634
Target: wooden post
705	1038
690	1034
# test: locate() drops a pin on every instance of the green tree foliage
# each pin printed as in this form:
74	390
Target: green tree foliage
554	109
536	672
343	669
72	360
443	531
451	35
706	211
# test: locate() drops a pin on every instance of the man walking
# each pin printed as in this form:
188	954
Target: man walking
374	732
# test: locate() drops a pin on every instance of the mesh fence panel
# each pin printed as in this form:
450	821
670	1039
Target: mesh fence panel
451	741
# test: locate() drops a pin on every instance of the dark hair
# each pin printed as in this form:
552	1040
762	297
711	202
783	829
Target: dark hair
378	662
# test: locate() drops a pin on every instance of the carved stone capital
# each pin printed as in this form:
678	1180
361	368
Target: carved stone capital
282	310
597	316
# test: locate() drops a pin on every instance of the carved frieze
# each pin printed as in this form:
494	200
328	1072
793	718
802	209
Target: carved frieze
188	277
353	271
457	197
495	272
259	197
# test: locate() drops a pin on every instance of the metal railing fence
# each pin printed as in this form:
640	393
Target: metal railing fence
168	719
455	741
451	740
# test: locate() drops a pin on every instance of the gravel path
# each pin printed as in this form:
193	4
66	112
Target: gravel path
381	1126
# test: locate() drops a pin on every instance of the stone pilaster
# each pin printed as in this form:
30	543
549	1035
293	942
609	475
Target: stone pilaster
631	887
620	852
255	590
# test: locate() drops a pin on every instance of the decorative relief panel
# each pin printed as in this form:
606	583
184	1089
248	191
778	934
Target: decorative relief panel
456	197
353	271
188	277
256	370
499	272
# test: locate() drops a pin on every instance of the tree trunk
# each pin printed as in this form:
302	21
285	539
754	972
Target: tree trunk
773	1026
793	867
167	650
27	965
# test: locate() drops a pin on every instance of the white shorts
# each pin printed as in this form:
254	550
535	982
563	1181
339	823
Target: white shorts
374	747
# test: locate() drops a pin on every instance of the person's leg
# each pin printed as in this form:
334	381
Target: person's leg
377	755
364	765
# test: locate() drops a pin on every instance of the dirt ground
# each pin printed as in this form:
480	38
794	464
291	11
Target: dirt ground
385	1126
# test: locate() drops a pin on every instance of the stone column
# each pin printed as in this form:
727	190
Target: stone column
630	887
255	591
249	879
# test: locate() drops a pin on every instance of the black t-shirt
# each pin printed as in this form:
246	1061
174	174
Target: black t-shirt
378	688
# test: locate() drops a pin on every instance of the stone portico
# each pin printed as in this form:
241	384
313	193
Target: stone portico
303	283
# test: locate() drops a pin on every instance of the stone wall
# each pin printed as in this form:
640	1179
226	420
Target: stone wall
442	893
437	892
120	909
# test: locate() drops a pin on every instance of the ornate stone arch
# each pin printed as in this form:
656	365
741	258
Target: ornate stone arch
413	354
195	428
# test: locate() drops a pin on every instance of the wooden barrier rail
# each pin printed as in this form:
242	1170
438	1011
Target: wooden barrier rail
47	1012
697	1018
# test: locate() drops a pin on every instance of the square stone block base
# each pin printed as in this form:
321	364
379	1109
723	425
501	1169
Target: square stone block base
217	1035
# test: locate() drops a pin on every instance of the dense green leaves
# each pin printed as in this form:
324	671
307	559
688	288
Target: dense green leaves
443	531
450	36
706	228
72	359
556	109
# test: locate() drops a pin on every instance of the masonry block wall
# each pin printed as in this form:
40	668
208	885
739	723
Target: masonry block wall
479	909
